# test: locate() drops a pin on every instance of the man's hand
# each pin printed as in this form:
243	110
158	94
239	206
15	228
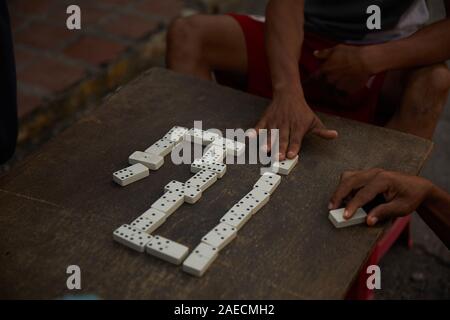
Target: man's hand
344	67
403	193
290	113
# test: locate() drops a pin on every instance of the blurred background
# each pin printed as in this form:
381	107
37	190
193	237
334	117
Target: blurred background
63	75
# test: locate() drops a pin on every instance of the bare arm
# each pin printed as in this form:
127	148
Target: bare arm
435	211
289	111
284	39
428	46
348	68
403	194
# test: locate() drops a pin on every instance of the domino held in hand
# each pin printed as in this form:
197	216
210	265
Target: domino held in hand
337	218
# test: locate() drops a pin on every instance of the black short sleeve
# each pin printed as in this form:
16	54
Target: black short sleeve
8	96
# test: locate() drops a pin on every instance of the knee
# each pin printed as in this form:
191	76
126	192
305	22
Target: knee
184	36
428	90
435	79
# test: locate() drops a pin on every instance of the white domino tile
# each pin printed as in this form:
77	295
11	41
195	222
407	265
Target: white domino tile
132	237
255	200
220	236
191	193
233	147
214	153
149	221
176	134
196	135
338	220
242	211
219	168
151	161
202	179
162	147
200	259
284	167
268	182
237	216
175	186
167	250
169	202
130	174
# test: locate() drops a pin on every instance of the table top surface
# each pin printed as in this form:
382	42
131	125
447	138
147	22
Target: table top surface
60	206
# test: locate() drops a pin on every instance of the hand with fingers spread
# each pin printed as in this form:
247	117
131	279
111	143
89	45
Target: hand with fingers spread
403	193
288	112
344	67
294	118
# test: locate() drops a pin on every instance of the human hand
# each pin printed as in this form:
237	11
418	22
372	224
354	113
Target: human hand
345	67
403	193
290	113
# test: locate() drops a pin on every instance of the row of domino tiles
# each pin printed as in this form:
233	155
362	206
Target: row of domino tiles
235	218
137	235
207	170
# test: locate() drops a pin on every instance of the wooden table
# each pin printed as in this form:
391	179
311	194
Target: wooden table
60	206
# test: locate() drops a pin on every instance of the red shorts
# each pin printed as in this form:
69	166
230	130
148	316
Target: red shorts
361	105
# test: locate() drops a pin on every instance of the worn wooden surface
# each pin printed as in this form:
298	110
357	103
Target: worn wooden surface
60	206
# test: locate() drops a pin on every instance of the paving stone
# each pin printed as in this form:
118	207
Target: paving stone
168	9
41	35
130	26
51	75
94	50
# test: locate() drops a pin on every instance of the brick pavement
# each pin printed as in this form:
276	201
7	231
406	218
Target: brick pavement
51	59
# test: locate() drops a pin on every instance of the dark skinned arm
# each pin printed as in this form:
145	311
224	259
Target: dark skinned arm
289	111
435	211
349	68
428	46
403	194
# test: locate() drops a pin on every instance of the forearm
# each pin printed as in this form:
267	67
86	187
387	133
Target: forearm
435	211
284	38
425	47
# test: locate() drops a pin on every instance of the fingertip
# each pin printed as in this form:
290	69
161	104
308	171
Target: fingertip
372	220
251	133
330	134
346	214
330	206
325	133
292	154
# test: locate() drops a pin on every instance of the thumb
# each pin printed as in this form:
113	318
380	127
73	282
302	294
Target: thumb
320	130
323	54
